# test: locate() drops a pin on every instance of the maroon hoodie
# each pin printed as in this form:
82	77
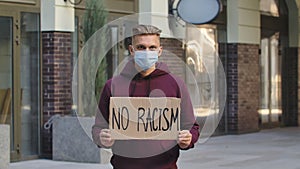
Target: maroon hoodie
145	154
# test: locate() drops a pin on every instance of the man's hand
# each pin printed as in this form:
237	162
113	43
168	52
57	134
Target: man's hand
105	138
184	139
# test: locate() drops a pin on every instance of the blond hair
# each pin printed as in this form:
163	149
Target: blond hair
145	30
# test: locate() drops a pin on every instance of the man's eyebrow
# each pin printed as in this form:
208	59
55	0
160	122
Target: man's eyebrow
145	45
140	45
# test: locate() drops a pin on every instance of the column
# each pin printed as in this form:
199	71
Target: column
155	12
243	65
57	25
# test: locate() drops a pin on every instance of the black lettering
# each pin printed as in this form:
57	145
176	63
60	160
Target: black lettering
166	118
115	118
127	122
159	120
174	118
153	118
140	117
149	119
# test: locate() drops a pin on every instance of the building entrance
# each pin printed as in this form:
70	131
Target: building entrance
20	81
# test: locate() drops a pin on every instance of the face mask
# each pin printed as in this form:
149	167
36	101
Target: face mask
145	59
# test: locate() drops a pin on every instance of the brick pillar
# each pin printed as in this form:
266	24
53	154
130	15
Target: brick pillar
243	83
232	88
57	78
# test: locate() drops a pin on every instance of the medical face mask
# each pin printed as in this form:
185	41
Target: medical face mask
145	59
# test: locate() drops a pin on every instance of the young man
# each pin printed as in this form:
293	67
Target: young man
144	76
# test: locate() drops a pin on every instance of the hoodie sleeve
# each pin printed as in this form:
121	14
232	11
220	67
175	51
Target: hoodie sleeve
188	120
101	119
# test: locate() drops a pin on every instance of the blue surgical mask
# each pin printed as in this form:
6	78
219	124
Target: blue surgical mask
145	59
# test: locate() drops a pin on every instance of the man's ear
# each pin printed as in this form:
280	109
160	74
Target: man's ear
130	48
160	51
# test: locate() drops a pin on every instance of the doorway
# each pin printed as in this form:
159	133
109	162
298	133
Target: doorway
20	81
6	76
273	64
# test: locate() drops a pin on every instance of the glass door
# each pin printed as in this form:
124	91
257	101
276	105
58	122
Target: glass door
20	81
8	39
30	84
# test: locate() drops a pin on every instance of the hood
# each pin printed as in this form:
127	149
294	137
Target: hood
142	86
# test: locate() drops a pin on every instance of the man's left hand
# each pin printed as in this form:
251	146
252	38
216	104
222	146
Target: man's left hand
184	139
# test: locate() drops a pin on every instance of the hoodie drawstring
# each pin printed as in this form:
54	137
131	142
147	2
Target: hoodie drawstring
148	86
133	88
148	78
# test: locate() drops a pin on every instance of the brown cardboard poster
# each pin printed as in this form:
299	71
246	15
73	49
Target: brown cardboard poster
156	118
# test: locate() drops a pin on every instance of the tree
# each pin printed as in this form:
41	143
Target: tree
95	18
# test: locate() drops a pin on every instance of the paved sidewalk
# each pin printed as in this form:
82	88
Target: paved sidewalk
275	149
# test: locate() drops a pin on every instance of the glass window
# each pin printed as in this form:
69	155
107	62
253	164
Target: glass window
270	103
30	83
75	42
201	59
115	52
205	78
6	54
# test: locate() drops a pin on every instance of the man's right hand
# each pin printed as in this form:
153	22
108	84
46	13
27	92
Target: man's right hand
105	138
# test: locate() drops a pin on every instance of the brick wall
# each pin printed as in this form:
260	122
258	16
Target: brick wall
248	88
232	88
57	78
243	85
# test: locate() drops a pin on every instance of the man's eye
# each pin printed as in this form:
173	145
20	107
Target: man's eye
141	47
153	48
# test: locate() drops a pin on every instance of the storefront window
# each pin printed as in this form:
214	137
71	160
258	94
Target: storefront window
30	83
201	60
75	41
270	107
6	55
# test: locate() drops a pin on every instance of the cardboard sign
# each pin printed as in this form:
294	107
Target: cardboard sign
155	118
